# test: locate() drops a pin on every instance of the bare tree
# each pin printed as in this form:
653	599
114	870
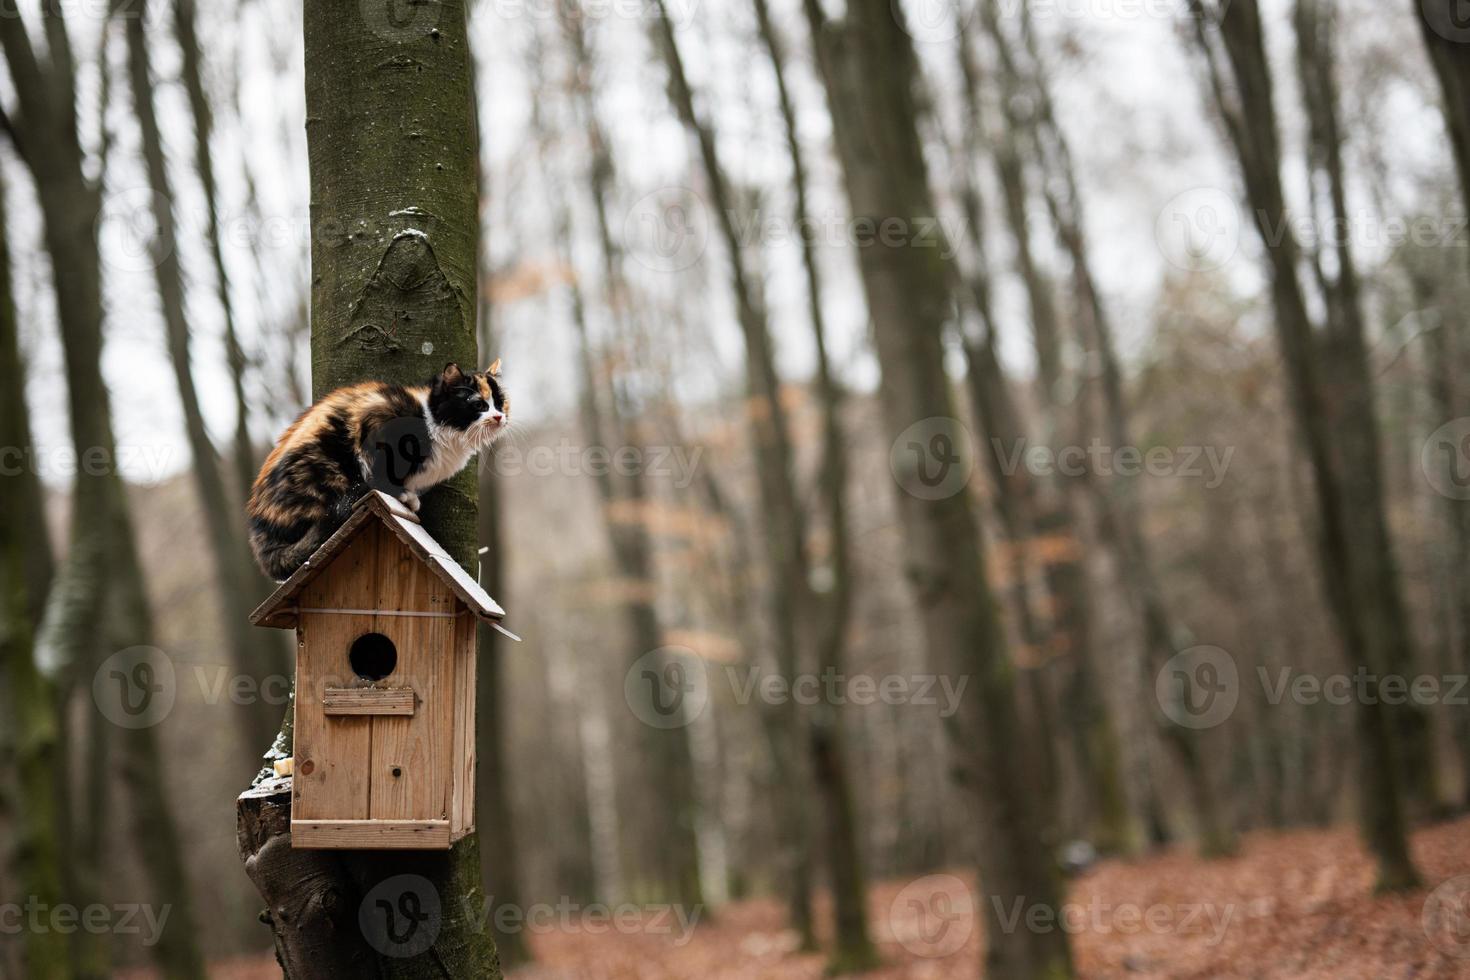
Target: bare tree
191	71
867	63
1095	736
1332	402
29	725
783	520
238	584
1444	34
101	573
829	614
605	414
502	861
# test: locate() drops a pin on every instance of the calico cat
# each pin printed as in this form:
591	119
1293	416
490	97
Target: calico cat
399	439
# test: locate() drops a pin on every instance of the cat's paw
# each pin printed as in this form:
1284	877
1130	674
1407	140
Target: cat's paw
410	500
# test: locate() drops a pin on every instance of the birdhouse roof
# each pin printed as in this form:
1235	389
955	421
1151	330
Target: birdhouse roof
280	609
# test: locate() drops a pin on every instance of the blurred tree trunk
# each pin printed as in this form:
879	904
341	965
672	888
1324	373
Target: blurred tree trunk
31	729
1443	25
782	522
1099	752
45	133
501	857
1119	498
392	142
830	610
626	501
1446	400
1058	517
1345	348
238	586
191	71
1333	410
868	65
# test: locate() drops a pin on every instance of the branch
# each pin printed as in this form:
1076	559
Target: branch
63	65
33	91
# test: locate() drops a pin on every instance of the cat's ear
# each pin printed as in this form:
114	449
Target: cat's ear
451	372
494	369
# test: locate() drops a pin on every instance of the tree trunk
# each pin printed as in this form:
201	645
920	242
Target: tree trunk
669	769
1351	529
853	949
501	857
1098	749
1118	498
1361	449
31	729
1445	34
192	74
783	521
237	585
101	530
869	68
391	139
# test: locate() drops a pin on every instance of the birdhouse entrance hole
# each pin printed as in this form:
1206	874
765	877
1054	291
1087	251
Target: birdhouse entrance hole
373	656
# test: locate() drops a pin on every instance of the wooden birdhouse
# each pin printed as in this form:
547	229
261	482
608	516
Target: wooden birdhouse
385	685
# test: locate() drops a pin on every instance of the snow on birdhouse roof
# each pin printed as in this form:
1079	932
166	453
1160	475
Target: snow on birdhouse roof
280	609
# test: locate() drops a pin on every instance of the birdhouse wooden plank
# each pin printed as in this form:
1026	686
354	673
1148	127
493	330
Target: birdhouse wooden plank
385	685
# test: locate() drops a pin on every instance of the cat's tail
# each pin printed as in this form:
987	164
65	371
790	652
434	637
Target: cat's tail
279	555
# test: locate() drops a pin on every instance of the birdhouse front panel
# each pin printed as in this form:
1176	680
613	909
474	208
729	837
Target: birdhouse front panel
379	649
385	624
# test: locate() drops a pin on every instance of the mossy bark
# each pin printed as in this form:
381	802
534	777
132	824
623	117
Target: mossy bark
29	727
392	146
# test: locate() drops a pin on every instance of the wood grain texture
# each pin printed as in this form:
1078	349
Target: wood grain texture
338	701
411	756
462	783
422	835
333	754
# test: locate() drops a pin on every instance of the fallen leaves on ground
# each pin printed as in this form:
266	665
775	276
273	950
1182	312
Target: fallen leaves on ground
1296	904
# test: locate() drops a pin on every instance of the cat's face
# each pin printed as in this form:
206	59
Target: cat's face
475	404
